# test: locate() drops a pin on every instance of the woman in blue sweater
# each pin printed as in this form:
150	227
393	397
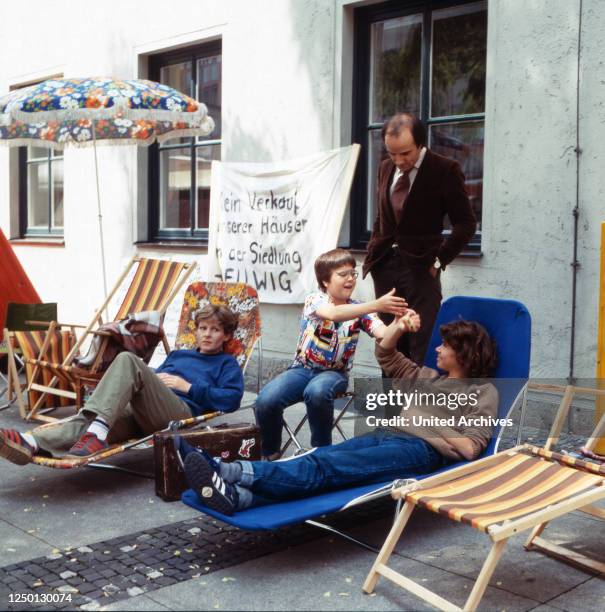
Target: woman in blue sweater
134	399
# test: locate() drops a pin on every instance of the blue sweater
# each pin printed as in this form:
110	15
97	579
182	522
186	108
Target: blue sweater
217	382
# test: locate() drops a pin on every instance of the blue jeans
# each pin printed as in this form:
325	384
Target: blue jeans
373	458
316	387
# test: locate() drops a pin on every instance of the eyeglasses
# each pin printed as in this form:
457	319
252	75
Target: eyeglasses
345	273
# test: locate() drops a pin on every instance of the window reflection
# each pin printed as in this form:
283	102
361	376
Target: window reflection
459	52
464	143
395	67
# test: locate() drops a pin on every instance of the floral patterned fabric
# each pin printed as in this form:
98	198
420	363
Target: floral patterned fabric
239	298
61	112
328	345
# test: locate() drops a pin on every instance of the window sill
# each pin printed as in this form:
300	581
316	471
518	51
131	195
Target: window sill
172	246
470	254
38	242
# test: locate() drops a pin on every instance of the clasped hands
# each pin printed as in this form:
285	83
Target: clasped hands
174	382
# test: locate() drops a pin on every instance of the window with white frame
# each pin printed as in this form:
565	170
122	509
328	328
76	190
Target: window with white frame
40	192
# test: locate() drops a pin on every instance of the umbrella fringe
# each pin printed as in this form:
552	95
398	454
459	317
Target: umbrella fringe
199	116
50	144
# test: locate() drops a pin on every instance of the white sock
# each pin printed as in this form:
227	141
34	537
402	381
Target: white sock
30	440
99	428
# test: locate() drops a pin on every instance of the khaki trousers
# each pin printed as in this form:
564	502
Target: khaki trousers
130	398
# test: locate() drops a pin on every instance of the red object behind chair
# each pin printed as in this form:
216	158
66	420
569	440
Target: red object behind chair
15	285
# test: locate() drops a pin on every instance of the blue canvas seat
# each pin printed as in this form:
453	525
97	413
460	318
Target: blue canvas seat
508	323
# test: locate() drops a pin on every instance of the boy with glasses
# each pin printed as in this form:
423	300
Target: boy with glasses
329	330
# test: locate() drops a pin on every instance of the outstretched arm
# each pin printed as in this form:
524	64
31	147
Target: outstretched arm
388	303
394	363
410	322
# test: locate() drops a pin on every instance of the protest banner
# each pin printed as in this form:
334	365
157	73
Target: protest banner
269	221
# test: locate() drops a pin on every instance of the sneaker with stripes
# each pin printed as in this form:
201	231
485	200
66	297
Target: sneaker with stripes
14	447
87	446
212	490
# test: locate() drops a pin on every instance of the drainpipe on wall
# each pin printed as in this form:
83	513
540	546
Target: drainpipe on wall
575	264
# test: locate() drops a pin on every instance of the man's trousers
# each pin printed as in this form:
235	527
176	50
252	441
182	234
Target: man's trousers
422	292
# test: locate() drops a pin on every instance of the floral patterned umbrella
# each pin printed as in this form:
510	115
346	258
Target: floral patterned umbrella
80	112
83	112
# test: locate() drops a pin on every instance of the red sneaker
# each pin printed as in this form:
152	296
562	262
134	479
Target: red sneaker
87	446
14	447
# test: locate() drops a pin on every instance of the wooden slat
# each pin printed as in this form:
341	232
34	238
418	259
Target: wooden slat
500	532
568	556
463	470
418	590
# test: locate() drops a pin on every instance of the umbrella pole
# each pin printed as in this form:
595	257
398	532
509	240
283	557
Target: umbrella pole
100	216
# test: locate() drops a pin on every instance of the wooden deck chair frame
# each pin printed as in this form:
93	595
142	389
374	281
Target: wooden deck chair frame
536	518
535	541
22	317
64	371
193	300
52	343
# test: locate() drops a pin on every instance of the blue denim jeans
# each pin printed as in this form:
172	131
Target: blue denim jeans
373	458
316	387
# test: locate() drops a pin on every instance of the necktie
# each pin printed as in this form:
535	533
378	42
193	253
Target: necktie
400	193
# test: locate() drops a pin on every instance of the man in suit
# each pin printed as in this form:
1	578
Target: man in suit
416	189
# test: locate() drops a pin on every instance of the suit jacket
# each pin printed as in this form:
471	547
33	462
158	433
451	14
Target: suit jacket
437	190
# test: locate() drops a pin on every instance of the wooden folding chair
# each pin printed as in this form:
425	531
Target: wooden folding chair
153	287
21	317
53	344
510	492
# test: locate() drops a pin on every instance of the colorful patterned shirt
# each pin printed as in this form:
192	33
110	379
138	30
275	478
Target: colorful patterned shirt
326	344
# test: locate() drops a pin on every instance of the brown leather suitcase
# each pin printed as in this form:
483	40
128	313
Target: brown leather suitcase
230	442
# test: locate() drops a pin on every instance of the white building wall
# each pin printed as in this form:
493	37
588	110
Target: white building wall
287	93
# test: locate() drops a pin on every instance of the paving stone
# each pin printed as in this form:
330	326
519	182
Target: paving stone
67	574
86	587
107	573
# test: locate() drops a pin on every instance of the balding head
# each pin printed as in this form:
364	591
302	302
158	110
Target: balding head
404	136
405	121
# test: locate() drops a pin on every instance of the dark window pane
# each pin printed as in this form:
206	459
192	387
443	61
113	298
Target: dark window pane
175	189
464	143
395	67
177	76
459	51
57	181
204	157
209	89
37	195
375	155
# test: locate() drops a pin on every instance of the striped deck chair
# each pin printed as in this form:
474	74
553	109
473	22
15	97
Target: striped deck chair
519	489
153	287
242	300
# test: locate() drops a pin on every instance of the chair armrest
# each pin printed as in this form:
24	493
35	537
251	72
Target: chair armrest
47	324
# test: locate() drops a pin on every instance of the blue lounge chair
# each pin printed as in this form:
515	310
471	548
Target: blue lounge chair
508	322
